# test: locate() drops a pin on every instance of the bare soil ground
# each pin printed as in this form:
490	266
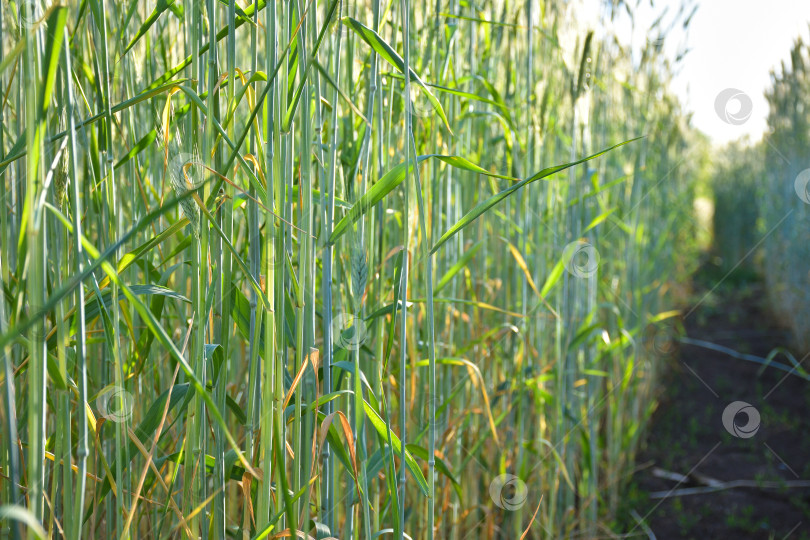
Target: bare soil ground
687	436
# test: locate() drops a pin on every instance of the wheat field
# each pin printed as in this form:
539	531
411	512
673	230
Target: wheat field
332	268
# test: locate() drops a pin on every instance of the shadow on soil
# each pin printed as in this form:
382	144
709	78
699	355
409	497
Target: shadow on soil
680	488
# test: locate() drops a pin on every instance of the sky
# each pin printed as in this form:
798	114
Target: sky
734	44
733	47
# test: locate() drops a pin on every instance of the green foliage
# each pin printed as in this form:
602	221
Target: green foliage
738	191
762	204
256	279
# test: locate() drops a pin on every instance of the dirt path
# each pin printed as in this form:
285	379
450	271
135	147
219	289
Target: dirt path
688	437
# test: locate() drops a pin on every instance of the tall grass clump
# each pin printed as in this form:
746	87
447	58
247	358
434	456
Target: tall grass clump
738	190
330	268
776	169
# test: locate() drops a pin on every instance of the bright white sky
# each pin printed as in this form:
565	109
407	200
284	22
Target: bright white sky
733	44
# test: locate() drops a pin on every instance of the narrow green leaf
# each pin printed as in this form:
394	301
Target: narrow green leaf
598	219
553	278
483	206
160	7
391	180
392	57
382	429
